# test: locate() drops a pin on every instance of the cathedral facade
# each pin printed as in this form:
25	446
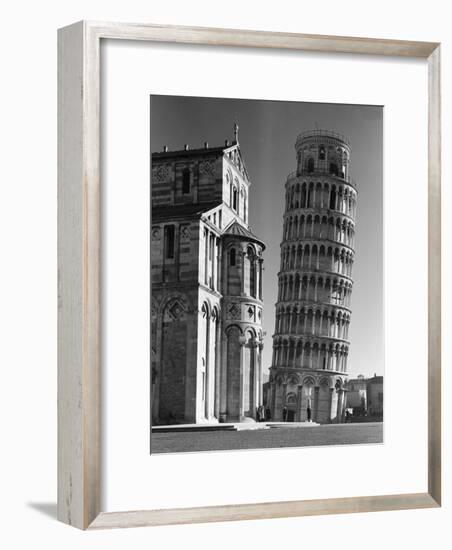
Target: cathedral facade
206	267
310	341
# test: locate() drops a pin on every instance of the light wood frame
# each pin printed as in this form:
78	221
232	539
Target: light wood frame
79	273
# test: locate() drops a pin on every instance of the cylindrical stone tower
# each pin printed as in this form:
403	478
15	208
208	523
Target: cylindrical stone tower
310	342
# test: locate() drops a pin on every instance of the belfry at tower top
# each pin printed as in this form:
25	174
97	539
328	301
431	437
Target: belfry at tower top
318	135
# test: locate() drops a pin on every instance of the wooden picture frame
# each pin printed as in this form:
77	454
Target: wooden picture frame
79	432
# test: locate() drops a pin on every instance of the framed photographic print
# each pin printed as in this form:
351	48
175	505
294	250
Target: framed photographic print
215	234
244	219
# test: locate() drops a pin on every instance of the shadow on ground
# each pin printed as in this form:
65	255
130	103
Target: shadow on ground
48	509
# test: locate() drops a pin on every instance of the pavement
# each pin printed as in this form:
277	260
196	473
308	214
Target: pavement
227	426
277	437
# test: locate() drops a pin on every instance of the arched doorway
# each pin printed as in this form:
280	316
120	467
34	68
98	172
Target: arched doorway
173	362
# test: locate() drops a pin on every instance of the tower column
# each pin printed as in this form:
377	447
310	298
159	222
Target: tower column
316	403
284	396
331	404
273	400
299	402
340	400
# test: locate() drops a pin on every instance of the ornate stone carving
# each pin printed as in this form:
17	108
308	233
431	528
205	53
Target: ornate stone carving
185	233
251	312
160	173
207	167
176	310
234	311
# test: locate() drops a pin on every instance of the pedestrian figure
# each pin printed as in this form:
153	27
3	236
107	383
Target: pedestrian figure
284	414
309	414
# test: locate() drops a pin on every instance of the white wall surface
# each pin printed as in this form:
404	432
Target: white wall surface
28	275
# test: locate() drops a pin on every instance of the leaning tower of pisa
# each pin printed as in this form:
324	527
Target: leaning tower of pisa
310	342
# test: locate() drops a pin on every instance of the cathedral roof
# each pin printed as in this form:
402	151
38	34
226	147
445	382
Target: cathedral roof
181	211
236	229
210	151
226	150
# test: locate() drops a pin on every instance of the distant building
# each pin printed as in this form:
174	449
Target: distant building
357	394
365	395
206	288
375	395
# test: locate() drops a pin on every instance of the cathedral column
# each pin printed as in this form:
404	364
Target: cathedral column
260	278
206	256
208	368
211	278
218	282
218	345
260	389
242	287
256	277
224	380
254	376
224	258
242	342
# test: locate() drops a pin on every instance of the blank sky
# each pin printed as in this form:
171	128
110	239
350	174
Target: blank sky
267	134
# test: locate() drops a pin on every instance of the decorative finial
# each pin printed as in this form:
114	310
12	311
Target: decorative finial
236	132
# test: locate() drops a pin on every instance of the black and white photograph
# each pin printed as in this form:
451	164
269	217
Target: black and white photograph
226	255
267	274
